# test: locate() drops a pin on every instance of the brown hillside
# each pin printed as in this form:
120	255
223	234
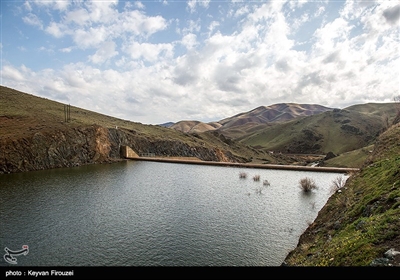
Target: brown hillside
273	113
194	126
35	135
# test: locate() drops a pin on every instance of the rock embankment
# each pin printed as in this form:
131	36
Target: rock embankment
92	144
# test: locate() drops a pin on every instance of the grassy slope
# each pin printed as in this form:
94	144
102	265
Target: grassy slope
353	159
23	114
378	109
29	112
328	126
360	223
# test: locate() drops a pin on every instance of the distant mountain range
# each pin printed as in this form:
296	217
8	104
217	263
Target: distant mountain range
301	128
264	114
285	128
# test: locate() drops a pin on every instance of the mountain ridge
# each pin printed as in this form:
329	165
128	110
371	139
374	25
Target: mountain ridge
36	134
274	113
23	116
302	128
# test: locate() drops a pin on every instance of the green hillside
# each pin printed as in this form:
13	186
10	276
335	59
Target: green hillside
360	222
339	131
336	131
353	159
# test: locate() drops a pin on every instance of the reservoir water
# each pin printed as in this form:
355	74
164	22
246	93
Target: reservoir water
136	213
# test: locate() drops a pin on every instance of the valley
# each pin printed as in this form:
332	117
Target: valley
359	224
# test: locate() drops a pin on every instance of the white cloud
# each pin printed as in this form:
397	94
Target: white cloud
55	4
139	5
139	24
78	16
9	72
91	37
149	52
66	50
213	67
104	53
297	4
55	29
330	35
299	22
205	3
192	5
192	26
27	6
96	22
46	49
102	11
189	41
214	24
320	11
244	10
33	20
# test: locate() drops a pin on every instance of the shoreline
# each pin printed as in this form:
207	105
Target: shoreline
249	165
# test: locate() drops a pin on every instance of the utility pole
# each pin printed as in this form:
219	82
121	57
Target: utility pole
67	112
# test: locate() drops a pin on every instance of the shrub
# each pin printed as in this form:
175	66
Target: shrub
307	184
337	183
256	177
242	175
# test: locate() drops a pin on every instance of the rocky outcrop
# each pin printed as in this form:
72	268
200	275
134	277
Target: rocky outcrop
92	144
330	155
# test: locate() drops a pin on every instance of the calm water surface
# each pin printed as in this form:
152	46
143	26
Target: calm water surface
156	214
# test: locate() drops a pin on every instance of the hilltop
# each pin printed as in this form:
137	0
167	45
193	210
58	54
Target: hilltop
273	114
244	121
36	133
291	128
195	126
337	131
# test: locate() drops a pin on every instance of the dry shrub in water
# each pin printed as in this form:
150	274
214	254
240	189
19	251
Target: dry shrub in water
242	175
256	177
307	184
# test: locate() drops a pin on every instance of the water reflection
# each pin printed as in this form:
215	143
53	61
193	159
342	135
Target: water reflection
157	214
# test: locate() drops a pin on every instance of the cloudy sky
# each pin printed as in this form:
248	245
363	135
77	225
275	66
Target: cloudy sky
159	61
